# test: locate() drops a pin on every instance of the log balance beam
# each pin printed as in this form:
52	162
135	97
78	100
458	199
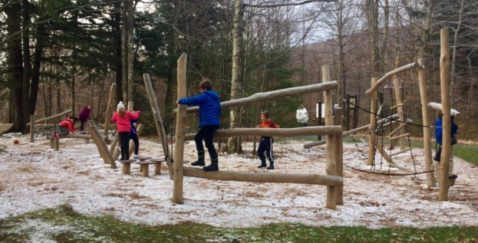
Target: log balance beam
391	74
325	180
275	132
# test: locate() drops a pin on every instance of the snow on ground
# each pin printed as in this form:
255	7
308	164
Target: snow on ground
33	177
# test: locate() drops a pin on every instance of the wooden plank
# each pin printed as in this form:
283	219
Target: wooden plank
325	180
180	121
263	96
109	108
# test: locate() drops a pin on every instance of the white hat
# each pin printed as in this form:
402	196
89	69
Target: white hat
120	106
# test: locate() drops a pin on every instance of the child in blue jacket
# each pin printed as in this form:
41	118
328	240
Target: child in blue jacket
209	111
439	134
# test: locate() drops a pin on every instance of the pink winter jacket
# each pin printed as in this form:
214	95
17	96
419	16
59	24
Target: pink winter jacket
123	124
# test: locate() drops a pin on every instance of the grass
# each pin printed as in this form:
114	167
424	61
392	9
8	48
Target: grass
63	224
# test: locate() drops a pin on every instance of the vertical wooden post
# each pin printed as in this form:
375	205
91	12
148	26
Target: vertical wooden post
109	108
347	113
180	120
427	143
398	97
339	157
371	138
330	146
56	143
32	129
338	116
158	121
445	100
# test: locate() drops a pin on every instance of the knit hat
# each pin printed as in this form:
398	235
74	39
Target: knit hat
120	106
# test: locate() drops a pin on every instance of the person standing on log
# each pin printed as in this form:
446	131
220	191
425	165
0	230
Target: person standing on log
265	144
84	116
123	118
209	112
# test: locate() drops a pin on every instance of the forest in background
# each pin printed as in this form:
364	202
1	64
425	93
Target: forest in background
65	54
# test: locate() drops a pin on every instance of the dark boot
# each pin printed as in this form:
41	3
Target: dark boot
271	167
263	164
200	161
214	166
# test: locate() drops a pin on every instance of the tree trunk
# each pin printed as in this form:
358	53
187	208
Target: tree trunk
37	60
471	89
454	50
127	51
118	47
27	67
372	19
233	144
14	63
386	20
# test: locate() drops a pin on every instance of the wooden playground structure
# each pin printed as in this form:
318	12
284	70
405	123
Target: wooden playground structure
333	179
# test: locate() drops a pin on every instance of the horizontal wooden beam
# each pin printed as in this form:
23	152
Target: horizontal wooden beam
355	130
275	132
396	106
400	136
50	117
397	129
325	180
390	74
257	97
400	152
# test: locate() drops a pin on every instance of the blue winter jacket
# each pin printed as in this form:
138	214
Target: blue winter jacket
439	130
209	107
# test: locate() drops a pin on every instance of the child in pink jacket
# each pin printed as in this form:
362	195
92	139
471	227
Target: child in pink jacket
123	118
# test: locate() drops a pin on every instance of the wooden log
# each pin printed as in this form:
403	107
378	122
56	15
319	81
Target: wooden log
325	180
158	121
400	152
50	117
445	98
180	121
109	108
126	166
388	75
275	132
100	143
397	129
263	96
339	160
427	142
439	107
398	97
396	106
56	143
144	167
331	169
372	126
400	136
353	131
32	129
157	165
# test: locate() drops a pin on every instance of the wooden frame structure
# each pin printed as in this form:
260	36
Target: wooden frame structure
334	178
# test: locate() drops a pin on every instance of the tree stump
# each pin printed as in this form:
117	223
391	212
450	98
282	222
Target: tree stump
157	165
127	165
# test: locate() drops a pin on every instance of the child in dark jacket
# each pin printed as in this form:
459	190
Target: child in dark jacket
209	111
123	118
266	142
84	116
133	135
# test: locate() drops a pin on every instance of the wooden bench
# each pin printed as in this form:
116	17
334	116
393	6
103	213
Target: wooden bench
127	165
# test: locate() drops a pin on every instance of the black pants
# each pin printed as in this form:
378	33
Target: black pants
206	133
82	126
124	145
265	146
135	139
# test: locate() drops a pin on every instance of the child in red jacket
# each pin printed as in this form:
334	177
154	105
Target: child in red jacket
67	125
123	118
266	142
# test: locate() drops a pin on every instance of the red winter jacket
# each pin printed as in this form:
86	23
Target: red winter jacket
68	123
123	124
